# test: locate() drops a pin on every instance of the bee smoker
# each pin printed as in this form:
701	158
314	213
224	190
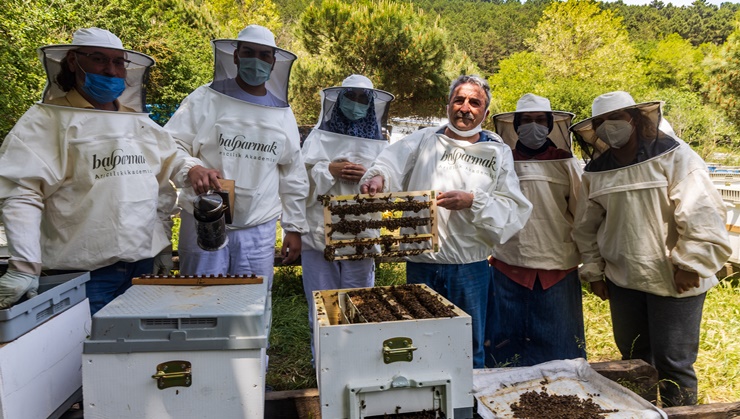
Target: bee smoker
210	211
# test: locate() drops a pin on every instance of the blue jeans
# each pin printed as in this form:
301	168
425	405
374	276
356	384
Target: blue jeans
109	282
465	285
527	327
663	331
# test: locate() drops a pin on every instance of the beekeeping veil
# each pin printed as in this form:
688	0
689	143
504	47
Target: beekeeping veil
224	67
607	103
507	123
375	121
53	57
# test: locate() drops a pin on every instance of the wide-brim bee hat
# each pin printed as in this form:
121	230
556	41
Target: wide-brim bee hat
507	123
378	99
53	57
608	103
224	67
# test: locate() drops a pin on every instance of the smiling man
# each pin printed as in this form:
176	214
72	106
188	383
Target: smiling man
478	200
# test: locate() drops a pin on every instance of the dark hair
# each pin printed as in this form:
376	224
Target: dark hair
66	78
239	44
645	127
518	120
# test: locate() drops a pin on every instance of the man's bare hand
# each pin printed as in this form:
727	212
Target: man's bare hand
686	280
291	247
347	170
455	200
373	185
599	288
204	179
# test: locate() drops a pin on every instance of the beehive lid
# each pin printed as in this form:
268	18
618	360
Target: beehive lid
155	318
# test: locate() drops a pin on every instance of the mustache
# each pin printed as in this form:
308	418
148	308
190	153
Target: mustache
464	115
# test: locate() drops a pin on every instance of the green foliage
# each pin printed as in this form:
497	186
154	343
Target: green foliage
577	52
703	126
397	46
487	31
25	26
578	39
233	16
675	62
723	69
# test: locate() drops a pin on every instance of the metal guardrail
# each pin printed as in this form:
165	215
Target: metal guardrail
730	195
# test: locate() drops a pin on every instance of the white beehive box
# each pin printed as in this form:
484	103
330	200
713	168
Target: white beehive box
182	351
434	370
40	373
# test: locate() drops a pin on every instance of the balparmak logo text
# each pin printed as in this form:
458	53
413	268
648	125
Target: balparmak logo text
117	158
458	154
239	142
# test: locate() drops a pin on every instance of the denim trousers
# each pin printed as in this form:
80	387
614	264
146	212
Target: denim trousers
526	327
662	331
465	285
110	281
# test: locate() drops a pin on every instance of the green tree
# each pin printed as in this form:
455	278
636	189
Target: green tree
22	76
396	45
578	39
723	69
577	52
675	62
232	16
704	127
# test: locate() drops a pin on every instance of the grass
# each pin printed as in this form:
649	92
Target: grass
718	364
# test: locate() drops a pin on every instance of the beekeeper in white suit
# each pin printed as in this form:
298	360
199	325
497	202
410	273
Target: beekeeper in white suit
650	226
81	170
337	152
241	125
535	308
479	202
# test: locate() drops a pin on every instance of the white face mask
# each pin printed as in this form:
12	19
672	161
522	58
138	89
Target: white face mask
468	133
533	135
615	133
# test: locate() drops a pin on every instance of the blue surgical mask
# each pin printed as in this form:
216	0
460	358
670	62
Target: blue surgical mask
353	110
103	89
254	71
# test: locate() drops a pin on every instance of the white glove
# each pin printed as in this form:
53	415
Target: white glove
163	264
14	284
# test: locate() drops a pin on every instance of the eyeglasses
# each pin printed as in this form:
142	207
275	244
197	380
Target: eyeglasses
103	60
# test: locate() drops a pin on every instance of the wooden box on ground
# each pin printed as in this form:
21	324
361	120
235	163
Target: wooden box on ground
179	351
40	373
376	368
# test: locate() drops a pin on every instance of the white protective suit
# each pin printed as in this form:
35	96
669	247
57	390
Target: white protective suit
552	186
324	146
90	179
83	188
257	146
618	234
428	160
321	148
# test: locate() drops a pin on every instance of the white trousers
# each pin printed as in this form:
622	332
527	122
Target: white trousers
320	274
250	251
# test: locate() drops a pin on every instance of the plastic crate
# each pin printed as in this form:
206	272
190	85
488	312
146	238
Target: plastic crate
57	293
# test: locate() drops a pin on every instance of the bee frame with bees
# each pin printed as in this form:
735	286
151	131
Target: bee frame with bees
388	225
